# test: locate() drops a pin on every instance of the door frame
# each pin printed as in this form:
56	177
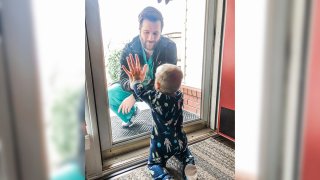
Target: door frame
211	69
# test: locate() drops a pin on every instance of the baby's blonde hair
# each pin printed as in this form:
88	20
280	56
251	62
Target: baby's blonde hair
169	77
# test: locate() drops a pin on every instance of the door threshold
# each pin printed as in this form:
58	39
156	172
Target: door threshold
120	164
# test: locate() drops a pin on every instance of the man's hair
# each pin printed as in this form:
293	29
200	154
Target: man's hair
152	14
169	76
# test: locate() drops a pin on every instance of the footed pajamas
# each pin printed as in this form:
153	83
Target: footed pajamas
167	137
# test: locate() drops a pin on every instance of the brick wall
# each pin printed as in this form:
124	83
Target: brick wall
192	99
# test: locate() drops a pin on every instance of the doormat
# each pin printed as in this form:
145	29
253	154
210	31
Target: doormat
214	160
142	124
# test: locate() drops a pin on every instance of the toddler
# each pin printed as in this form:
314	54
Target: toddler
166	100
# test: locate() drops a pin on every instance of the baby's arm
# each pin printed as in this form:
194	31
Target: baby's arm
142	93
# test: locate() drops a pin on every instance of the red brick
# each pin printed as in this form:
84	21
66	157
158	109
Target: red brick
185	90
192	88
190	109
194	93
182	88
198	100
189	92
193	104
186	97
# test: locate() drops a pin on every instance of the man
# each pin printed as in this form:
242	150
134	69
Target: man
154	50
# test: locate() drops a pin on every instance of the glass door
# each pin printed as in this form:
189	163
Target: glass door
111	24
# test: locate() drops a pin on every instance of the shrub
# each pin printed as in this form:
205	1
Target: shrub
113	65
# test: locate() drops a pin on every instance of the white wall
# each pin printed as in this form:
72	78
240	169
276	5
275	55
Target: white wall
194	42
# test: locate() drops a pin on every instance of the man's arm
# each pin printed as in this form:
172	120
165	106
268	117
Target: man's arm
124	79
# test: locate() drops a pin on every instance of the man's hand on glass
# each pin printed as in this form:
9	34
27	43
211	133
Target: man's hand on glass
127	104
135	73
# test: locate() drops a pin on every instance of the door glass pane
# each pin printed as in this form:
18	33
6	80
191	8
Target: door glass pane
183	24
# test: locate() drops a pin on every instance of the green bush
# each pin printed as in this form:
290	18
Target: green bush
65	123
113	65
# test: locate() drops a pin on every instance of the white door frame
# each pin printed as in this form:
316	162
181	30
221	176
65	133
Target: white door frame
212	58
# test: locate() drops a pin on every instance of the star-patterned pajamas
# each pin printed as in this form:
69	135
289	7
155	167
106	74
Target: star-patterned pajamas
167	137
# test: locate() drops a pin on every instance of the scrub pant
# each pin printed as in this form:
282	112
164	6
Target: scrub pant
116	95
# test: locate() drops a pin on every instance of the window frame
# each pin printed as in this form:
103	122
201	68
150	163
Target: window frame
93	154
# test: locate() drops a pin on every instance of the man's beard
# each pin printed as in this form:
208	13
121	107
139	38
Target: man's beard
149	46
149	50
